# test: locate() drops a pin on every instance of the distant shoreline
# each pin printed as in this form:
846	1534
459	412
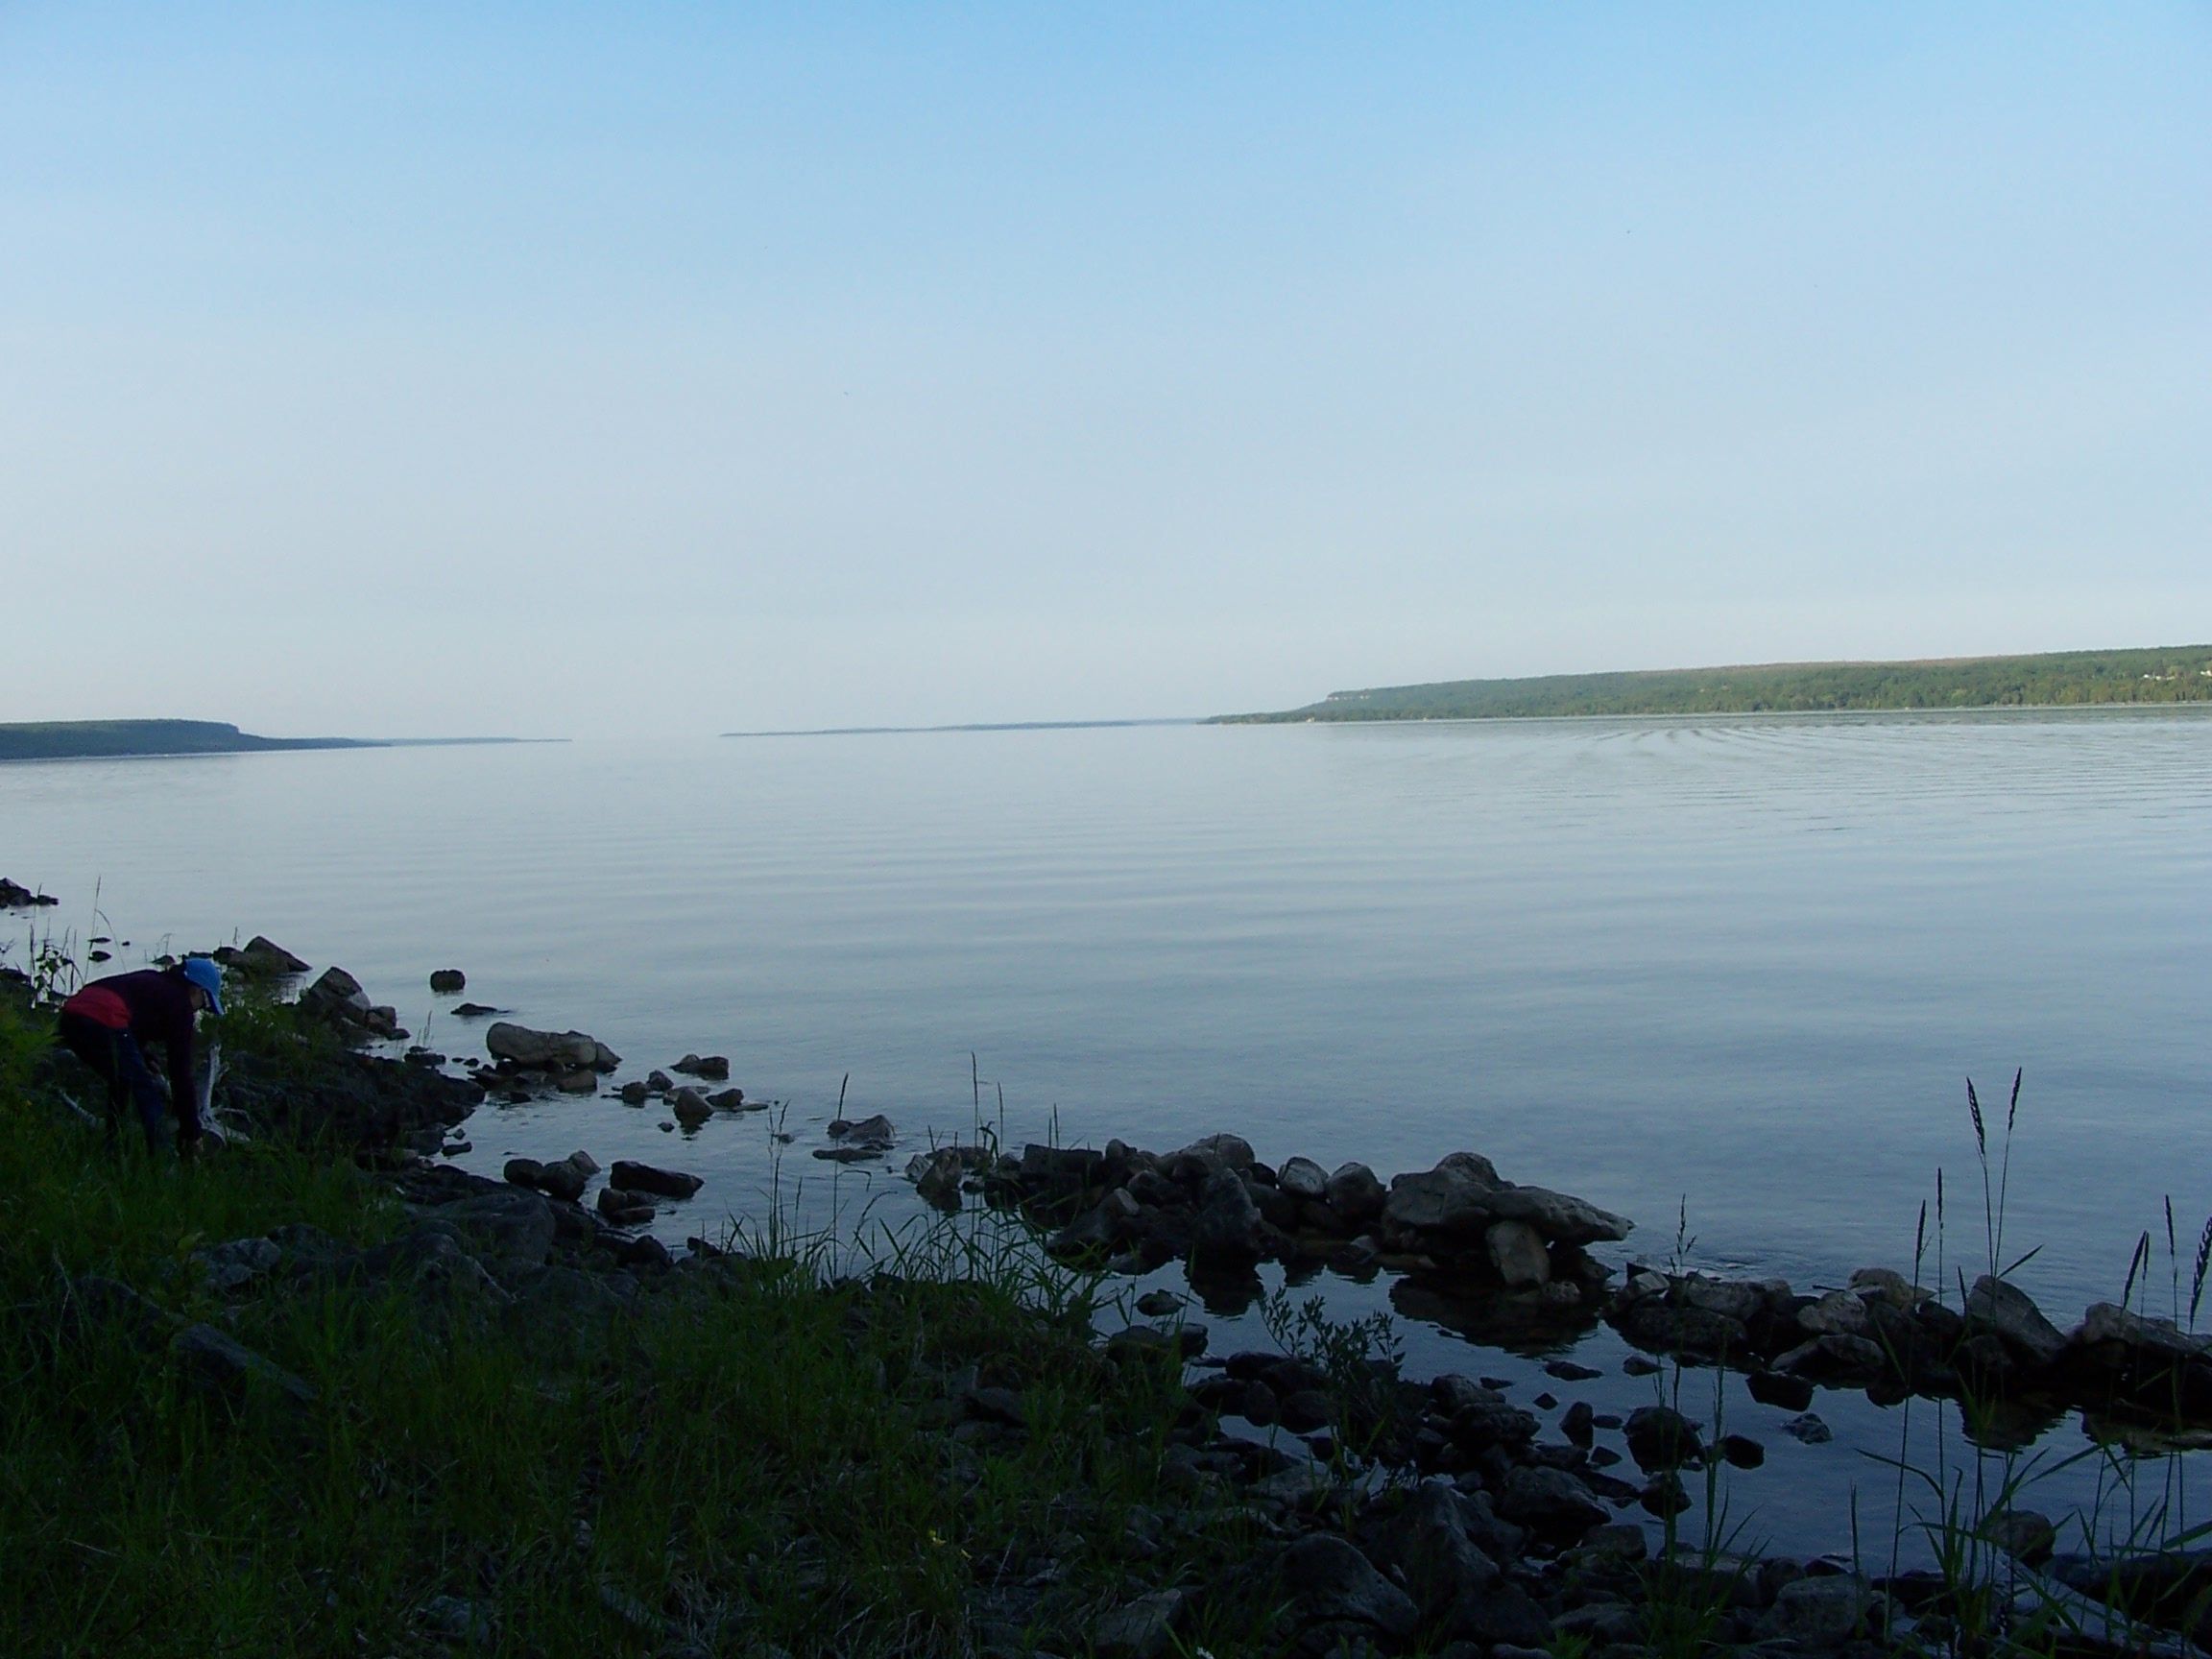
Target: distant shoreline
2150	677
976	726
169	739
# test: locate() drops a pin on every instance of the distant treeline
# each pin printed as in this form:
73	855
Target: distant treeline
2165	674
72	740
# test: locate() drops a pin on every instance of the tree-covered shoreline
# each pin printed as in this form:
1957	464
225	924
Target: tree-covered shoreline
2064	679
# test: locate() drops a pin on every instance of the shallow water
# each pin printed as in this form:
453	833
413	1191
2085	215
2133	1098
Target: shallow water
1734	970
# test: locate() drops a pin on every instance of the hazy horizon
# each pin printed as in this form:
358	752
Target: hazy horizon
540	371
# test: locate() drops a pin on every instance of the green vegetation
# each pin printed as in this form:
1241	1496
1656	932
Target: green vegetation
72	740
755	1456
2165	674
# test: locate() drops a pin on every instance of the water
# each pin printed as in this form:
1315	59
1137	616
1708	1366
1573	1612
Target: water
1737	969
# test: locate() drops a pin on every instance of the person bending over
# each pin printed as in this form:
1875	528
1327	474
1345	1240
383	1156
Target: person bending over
114	1023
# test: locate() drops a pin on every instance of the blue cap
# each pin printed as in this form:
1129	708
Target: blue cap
202	972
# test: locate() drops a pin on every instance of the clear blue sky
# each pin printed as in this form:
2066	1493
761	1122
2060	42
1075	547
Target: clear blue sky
547	369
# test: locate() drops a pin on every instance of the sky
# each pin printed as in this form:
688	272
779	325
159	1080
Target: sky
561	370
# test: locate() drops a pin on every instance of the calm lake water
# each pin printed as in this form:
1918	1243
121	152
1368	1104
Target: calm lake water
1737	969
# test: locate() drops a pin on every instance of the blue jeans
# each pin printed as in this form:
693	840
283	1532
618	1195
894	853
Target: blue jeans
116	1057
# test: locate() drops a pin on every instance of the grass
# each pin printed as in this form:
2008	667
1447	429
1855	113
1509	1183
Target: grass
771	1456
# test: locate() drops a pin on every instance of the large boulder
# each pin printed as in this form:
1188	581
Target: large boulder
1998	1307
647	1178
1227	1231
336	997
533	1050
1356	1193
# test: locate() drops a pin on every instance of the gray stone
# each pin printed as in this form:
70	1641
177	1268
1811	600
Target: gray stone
1839	1314
2000	1309
623	1208
648	1178
2021	1534
1822	1612
336	997
1355	1194
1835	1359
1887	1285
1662	1439
1809	1428
1220	1152
1303	1178
1517	1255
691	1106
1742	1299
1560	1217
2109	1333
1549	1502
708	1068
1140	1630
870	1133
1455	1582
540	1050
1327	1580
1227	1230
239	1262
509	1226
1452	1197
448	981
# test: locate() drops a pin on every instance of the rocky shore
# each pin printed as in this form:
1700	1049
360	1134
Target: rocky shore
1307	1500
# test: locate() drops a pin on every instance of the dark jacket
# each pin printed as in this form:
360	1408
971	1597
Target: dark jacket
158	1006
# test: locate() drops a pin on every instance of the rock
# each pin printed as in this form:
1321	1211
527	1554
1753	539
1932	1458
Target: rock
867	1134
262	957
1217	1152
474	1011
1835	1359
448	981
658	1082
1839	1314
1447	1198
1662	1439
1159	1304
240	1261
1227	1229
727	1101
506	1227
1885	1285
1327	1581
690	1106
706	1068
1355	1194
937	1176
1140	1630
1559	1218
1808	1428
219	1364
577	1082
634	1093
2000	1309
336	997
2023	1534
1662	1495
1772	1388
1742	1299
624	1208
1517	1254
1822	1612
1453	1581
14	896
1579	1425
533	1050
1549	1502
646	1178
1304	1179
2111	1336
1571	1371
1742	1452
565	1179
1656	1324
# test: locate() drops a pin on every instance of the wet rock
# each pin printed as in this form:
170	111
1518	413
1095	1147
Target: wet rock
2021	1534
533	1050
1304	1179
1662	1495
689	1105
1664	1328
1835	1359
474	1011
1355	1194
263	958
1159	1304
867	1134
1742	1299
577	1082
1579	1425
1517	1255
1742	1452
1571	1371
2000	1309
706	1068
14	896
1662	1439
1885	1285
938	1175
1839	1314
658	1082
448	981
1809	1428
1549	1502
634	1093
727	1101
1772	1388
623	1208
647	1178
1328	1582
336	997
565	1179
1227	1230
